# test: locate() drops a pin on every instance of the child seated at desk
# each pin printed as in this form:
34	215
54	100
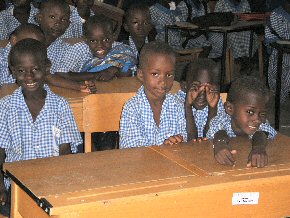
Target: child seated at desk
20	12
200	96
278	28
98	57
54	20
153	116
23	31
35	122
246	108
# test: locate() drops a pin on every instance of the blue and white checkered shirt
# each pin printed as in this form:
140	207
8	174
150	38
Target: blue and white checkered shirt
56	52
8	23
75	29
280	22
239	42
200	116
76	56
24	139
224	123
137	125
5	75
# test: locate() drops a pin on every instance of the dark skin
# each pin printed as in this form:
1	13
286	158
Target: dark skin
247	115
21	10
201	92
84	7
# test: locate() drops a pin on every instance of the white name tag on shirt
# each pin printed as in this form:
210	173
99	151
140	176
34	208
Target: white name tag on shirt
245	198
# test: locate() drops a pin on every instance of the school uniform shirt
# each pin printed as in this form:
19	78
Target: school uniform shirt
239	42
137	125
24	139
76	56
162	16
56	52
75	29
8	23
5	75
200	116
224	123
280	22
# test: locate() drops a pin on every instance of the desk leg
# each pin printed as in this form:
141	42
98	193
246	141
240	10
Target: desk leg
14	201
278	89
88	142
251	45
223	61
166	34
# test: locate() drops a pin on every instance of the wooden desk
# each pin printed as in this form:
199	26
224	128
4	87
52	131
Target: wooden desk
166	181
98	112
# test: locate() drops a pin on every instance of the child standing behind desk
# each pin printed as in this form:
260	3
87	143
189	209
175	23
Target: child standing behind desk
201	97
246	108
35	122
153	116
98	57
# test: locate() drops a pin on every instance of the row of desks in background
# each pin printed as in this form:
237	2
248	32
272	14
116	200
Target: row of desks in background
98	112
167	181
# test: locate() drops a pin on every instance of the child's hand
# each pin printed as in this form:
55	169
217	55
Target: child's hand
107	75
193	92
199	139
173	140
212	95
258	156
3	197
88	87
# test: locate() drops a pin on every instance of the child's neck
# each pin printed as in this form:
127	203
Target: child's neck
49	40
156	106
139	42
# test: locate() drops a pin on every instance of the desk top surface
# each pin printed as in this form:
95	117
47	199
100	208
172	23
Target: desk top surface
120	85
99	176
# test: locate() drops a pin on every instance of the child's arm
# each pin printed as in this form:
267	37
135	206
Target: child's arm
212	97
2	187
64	149
258	156
222	149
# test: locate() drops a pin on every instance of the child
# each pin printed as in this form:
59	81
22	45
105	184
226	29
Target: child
78	16
137	23
278	28
35	122
246	108
239	42
19	13
167	12
201	97
98	57
21	32
152	116
53	19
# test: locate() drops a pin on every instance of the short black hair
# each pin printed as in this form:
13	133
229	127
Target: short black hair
100	21
191	71
154	47
247	84
28	46
136	7
60	3
27	28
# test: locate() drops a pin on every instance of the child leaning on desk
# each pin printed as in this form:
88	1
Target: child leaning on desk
98	56
246	108
200	96
35	122
153	116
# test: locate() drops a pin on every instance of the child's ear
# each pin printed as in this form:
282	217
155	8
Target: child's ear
38	17
12	70
126	27
13	40
183	86
47	67
140	74
229	107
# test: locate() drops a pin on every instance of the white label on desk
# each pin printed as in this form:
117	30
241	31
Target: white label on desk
245	198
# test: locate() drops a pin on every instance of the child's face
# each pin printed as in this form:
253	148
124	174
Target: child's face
157	76
138	24
201	79
248	113
29	72
54	21
19	3
100	40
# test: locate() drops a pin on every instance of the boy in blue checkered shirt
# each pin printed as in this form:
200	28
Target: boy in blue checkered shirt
200	96
153	116
246	108
35	122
